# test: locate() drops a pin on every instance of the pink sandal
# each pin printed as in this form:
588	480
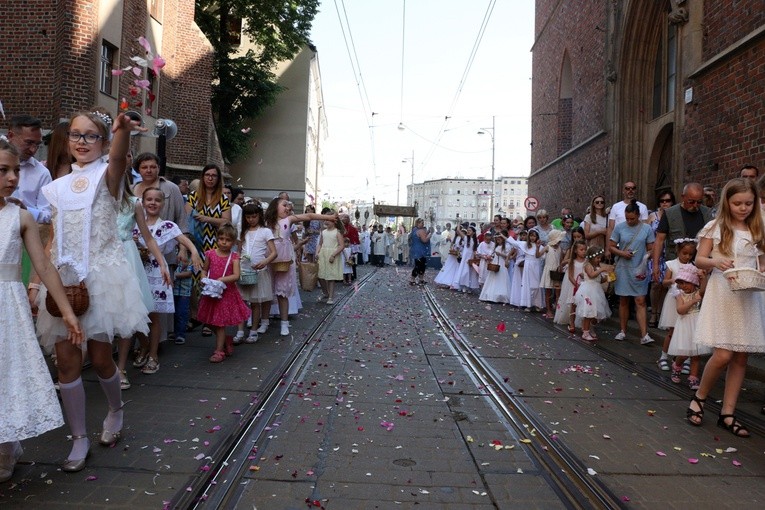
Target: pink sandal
217	357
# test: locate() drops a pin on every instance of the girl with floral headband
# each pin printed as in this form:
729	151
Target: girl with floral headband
590	299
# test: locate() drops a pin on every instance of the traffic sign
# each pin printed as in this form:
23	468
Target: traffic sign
531	203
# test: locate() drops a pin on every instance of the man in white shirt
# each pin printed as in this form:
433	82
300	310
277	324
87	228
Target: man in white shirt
616	215
26	134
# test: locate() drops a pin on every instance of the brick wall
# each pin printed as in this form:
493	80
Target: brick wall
575	28
724	126
50	64
727	22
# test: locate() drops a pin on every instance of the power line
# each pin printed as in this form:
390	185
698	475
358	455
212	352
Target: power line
361	88
463	80
403	47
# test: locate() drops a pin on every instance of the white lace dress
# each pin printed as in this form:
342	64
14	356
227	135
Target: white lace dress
116	307
730	320
165	234
29	406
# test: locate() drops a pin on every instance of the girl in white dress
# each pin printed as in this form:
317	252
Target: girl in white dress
167	235
86	247
29	406
687	297
531	295
552	257
495	288
591	302
485	253
729	322
446	275
258	250
466	278
565	311
516	276
686	251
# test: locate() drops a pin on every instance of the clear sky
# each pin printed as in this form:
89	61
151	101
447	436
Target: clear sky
363	162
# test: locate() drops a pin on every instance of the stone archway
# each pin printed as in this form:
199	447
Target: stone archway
640	38
660	176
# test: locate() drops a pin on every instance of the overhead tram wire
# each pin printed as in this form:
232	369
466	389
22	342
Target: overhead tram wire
360	86
463	79
403	47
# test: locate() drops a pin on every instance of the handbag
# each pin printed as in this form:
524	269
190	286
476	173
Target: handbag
308	274
248	277
214	288
491	266
78	298
745	278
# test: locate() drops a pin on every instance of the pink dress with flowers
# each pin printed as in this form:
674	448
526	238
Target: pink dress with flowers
230	309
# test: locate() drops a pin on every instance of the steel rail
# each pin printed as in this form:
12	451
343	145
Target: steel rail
564	471
219	487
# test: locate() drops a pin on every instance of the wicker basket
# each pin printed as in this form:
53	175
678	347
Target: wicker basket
745	278
78	298
454	251
248	277
281	266
491	266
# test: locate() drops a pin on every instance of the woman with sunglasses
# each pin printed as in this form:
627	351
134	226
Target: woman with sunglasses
596	223
658	291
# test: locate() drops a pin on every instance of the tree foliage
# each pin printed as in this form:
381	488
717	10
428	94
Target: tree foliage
244	84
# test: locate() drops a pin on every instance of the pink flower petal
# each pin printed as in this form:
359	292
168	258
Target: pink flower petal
136	71
736	463
145	43
693	461
157	63
661	454
117	72
144	84
91	478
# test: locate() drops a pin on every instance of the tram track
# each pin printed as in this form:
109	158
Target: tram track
220	486
754	423
561	468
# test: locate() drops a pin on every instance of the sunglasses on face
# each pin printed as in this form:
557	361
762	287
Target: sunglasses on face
630	188
599	202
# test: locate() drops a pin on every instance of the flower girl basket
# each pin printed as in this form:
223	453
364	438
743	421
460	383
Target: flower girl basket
745	278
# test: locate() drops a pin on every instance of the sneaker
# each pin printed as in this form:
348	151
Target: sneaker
124	382
686	367
330	301
179	340
151	366
663	364
252	338
621	335
675	377
239	337
263	327
693	383
140	360
646	340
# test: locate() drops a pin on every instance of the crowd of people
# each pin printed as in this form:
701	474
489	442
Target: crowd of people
128	258
117	257
671	261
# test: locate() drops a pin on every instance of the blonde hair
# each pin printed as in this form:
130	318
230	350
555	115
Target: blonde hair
724	217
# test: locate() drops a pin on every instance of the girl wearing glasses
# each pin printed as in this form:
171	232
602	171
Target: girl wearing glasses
87	248
596	223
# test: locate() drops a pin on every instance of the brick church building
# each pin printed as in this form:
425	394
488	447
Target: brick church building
655	91
58	57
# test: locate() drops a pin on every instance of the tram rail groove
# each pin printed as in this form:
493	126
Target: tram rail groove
220	487
565	472
754	423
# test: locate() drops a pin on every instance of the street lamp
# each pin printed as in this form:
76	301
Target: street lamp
490	131
412	160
